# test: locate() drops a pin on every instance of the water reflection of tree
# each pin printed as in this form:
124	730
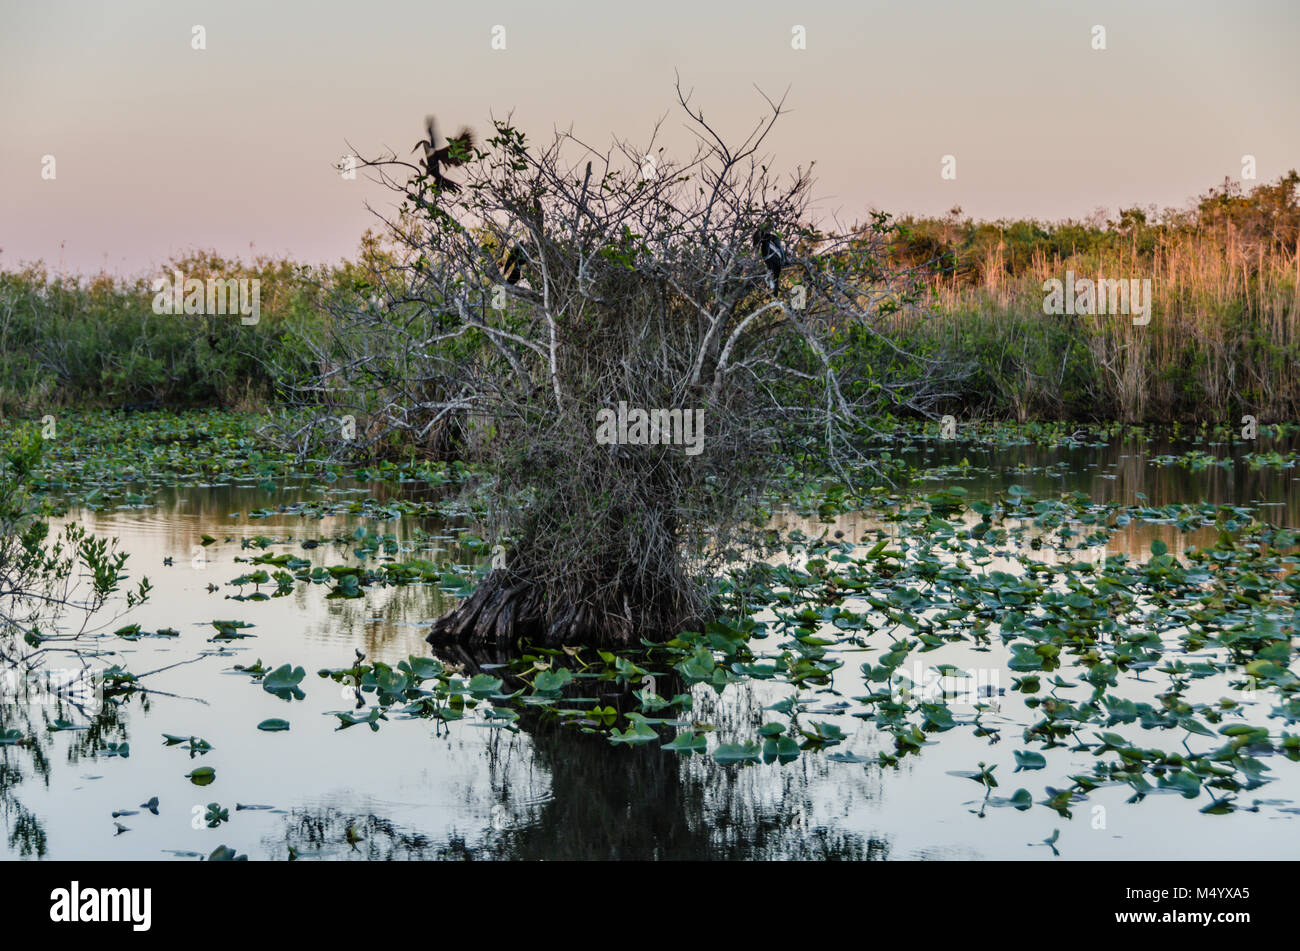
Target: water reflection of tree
574	796
648	803
32	758
25	833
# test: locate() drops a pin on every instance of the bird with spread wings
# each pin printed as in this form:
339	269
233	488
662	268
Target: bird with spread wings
455	153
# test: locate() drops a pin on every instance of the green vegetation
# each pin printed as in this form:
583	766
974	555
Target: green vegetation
69	341
1224	338
43	575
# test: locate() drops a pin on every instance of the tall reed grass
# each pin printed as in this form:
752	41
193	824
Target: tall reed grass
1223	339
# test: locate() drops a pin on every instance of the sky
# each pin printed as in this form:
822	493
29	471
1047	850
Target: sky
160	148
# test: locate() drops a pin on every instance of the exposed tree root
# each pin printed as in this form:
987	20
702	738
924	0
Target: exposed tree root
505	609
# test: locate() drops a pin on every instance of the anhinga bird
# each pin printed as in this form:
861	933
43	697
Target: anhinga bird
455	153
773	252
512	264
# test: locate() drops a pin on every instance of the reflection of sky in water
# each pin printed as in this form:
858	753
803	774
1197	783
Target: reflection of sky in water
416	790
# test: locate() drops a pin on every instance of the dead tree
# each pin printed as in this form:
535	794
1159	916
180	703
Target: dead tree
632	284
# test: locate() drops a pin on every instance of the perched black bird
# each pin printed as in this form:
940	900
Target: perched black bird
455	153
512	264
774	255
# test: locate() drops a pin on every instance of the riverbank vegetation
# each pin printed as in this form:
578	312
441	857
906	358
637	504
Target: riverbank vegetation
1223	341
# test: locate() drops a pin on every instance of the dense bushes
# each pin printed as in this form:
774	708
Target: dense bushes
96	342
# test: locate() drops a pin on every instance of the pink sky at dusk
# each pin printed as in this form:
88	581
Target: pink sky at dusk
160	148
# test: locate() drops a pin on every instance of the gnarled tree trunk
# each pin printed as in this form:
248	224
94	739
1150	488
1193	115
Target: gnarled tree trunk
506	608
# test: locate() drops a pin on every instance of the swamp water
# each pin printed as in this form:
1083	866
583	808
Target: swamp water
483	787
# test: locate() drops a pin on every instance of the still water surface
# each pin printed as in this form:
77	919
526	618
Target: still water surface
414	790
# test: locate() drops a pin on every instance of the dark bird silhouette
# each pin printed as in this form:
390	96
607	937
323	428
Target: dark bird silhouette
512	264
455	153
771	249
